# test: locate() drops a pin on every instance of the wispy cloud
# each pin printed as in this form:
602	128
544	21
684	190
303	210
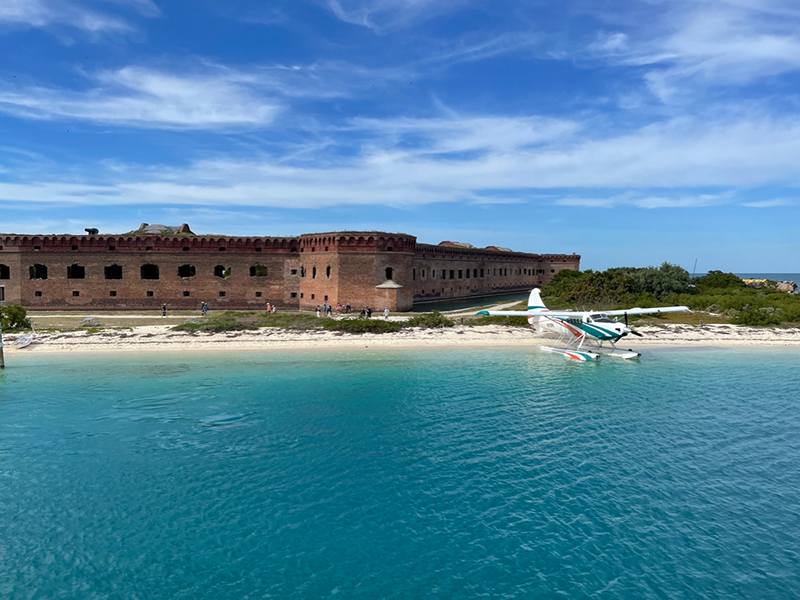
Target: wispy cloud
768	203
142	97
381	15
45	13
690	44
456	159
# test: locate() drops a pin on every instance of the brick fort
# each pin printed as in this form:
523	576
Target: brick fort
158	265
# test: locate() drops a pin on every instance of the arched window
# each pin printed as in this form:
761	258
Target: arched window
388	272
222	271
113	272
328	271
186	271
149	271
5	272
76	272
38	272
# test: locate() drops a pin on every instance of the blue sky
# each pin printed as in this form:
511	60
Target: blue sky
629	132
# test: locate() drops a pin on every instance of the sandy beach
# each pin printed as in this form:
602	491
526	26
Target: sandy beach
162	338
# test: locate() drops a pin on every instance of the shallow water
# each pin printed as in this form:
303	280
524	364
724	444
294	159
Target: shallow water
400	474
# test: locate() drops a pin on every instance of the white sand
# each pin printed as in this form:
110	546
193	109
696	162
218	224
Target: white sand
161	338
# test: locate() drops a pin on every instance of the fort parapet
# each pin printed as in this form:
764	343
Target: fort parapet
375	269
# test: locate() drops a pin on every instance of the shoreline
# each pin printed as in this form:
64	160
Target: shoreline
157	338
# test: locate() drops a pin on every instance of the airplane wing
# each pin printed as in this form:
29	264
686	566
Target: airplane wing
645	311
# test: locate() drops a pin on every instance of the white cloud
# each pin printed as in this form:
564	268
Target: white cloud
692	44
768	203
381	15
141	97
675	158
45	13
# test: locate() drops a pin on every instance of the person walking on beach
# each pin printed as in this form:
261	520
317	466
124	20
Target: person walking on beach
386	314
163	310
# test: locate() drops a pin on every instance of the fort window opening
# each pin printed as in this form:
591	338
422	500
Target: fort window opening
259	271
293	271
148	249
452	274
313	272
312	296
222	249
76	272
388	272
258	294
389	248
293	294
222	294
112	248
460	274
475	273
38	272
149	271
481	272
467	273
186	271
327	271
76	293
186	248
5	272
302	271
37	294
258	249
443	275
222	271
74	248
113	272
186	294
414	275
37	247
149	294
112	293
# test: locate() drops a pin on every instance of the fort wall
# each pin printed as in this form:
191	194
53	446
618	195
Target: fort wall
373	269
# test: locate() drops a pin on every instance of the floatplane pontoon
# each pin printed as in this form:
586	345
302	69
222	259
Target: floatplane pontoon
582	336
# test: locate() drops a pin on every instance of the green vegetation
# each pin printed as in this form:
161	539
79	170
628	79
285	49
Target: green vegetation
358	325
14	317
717	292
431	320
508	321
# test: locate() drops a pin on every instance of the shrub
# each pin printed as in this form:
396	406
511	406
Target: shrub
508	321
431	320
356	325
14	317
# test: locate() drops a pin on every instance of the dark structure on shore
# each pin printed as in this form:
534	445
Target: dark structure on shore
157	265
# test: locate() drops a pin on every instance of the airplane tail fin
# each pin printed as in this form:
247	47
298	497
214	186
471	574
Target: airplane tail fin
534	302
535	299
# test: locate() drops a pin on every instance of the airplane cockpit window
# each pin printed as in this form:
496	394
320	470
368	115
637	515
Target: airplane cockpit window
599	318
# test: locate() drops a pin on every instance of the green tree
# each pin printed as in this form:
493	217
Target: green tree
14	317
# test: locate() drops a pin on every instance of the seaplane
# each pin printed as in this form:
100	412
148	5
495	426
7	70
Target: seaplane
582	335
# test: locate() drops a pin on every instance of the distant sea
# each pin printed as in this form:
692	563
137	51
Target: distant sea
492	473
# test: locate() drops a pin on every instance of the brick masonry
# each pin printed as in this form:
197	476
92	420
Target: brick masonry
373	269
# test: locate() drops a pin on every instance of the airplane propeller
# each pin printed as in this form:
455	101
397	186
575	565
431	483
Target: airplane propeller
630	329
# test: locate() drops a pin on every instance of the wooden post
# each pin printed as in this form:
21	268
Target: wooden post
2	358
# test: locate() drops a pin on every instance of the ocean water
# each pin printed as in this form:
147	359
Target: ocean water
470	473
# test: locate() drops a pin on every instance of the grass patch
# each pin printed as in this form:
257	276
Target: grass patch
506	321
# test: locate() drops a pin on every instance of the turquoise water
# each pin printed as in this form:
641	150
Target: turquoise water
400	474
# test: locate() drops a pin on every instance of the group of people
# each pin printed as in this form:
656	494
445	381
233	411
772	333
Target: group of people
324	310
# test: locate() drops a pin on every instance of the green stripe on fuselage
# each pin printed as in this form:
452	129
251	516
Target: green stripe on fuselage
598	332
